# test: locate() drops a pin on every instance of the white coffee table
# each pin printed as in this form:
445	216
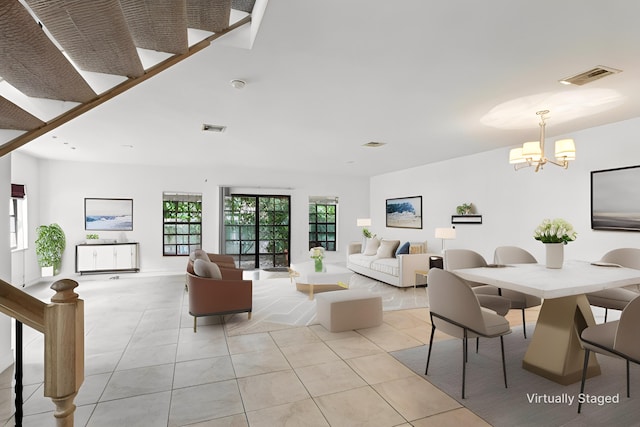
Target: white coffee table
310	281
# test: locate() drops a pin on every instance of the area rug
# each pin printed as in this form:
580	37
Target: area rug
278	305
530	400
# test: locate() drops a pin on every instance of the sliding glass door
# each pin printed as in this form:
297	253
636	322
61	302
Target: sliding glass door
257	230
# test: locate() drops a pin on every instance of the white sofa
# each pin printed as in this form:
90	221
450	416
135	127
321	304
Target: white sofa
397	270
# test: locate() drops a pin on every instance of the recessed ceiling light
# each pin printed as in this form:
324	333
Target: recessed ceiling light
374	144
213	128
238	84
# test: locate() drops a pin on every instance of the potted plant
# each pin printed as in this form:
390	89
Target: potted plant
555	234
464	209
50	245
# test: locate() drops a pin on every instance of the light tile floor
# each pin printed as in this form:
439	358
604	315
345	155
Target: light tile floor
146	367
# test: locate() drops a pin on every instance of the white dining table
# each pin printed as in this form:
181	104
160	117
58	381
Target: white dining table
555	351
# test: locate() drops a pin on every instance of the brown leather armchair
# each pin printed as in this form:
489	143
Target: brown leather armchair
212	296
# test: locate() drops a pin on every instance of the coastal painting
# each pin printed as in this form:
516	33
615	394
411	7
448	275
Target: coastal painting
108	214
404	212
615	199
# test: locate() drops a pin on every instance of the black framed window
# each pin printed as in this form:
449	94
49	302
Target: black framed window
182	223
323	223
18	227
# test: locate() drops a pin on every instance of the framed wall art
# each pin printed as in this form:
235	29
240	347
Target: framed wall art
404	212
108	214
615	199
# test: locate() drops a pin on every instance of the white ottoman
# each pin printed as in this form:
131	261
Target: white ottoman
345	310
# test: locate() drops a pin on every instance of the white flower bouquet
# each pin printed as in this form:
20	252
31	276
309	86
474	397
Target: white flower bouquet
555	231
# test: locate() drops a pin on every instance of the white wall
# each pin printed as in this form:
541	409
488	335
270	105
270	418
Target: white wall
6	354
64	185
513	203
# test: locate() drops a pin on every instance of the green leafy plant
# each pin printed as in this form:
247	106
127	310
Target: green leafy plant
464	209
50	245
555	231
92	237
366	233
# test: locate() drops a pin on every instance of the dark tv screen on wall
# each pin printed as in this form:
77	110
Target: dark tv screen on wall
615	199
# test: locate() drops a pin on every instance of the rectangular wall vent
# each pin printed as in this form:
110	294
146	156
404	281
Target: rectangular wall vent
213	128
589	76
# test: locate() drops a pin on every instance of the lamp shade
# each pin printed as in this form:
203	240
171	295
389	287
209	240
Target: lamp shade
515	156
565	149
447	233
363	222
532	150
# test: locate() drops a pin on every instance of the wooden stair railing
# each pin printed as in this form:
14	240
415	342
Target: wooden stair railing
62	323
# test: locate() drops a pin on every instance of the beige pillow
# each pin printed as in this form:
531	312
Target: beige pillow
199	254
387	248
206	269
372	246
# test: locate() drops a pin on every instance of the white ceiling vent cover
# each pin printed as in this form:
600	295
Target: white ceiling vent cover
590	76
213	128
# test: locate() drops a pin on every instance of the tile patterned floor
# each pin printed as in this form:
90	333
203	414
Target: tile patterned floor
146	367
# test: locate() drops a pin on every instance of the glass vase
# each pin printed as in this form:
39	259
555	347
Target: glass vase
318	265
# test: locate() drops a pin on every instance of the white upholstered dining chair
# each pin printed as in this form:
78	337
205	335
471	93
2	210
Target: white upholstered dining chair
455	310
617	298
489	296
618	338
519	300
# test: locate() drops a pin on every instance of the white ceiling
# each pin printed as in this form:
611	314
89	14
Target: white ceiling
325	77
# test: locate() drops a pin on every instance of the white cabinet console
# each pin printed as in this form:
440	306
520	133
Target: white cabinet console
107	258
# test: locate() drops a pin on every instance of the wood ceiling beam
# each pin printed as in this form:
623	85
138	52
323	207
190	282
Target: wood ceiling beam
115	91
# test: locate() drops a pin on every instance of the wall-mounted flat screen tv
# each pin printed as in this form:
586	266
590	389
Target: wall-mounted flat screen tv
615	199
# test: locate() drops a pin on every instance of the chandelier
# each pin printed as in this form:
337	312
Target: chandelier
532	153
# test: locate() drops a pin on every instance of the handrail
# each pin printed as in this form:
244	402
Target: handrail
62	323
22	306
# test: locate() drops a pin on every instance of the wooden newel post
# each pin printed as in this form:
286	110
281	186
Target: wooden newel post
64	349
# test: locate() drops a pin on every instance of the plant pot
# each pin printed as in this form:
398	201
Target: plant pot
47	271
555	254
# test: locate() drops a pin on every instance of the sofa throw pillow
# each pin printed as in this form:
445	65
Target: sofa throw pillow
206	269
199	254
404	249
387	248
372	246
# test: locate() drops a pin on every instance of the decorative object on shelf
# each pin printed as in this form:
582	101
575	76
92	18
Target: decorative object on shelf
108	214
50	245
532	153
614	199
555	234
317	254
404	212
464	209
466	219
445	233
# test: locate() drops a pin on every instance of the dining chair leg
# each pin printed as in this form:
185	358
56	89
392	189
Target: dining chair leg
433	331
584	375
628	387
504	366
477	344
524	325
464	362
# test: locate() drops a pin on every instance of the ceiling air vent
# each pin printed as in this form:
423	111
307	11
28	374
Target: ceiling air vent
589	76
213	128
374	144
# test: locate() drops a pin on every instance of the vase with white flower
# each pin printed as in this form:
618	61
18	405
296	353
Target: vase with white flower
555	234
317	254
